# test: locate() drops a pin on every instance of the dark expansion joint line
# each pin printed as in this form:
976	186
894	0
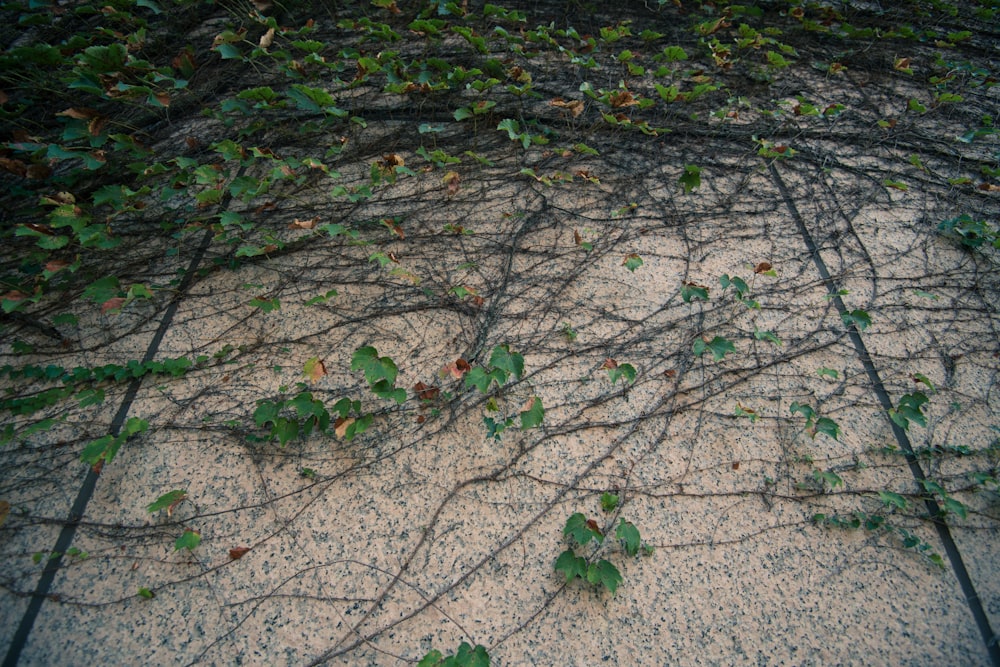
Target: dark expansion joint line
944	533
86	491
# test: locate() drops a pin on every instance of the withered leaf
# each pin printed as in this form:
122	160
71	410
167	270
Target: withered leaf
238	552
609	364
622	98
456	369
574	107
79	113
763	267
267	38
425	392
340	426
452	180
304	224
113	304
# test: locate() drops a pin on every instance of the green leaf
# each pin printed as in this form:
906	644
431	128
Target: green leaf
167	500
571	565
609	502
827	426
691	291
375	367
910	409
267	305
626	371
285	430
890	499
955	507
604	573
769	336
632	262
629	535
582	531
145	593
719	347
95	451
511	362
804	410
101	290
823	371
533	416
691	178
859	318
188	540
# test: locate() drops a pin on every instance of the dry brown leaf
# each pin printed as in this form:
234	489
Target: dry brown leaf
425	392
15	167
609	363
56	265
267	38
902	64
79	113
763	267
39	171
989	187
340	426
622	98
4	511
238	552
96	126
577	238
574	107
452	180
304	224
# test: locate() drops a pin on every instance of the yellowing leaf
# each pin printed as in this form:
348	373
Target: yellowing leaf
315	369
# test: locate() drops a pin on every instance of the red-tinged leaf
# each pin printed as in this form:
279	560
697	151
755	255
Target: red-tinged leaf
421	419
425	392
192	143
56	265
304	224
609	364
14	295
238	552
736	465
594	527
113	304
163	98
478	301
670	373
763	267
456	369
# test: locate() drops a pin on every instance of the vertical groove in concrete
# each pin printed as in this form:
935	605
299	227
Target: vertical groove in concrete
86	491
944	533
